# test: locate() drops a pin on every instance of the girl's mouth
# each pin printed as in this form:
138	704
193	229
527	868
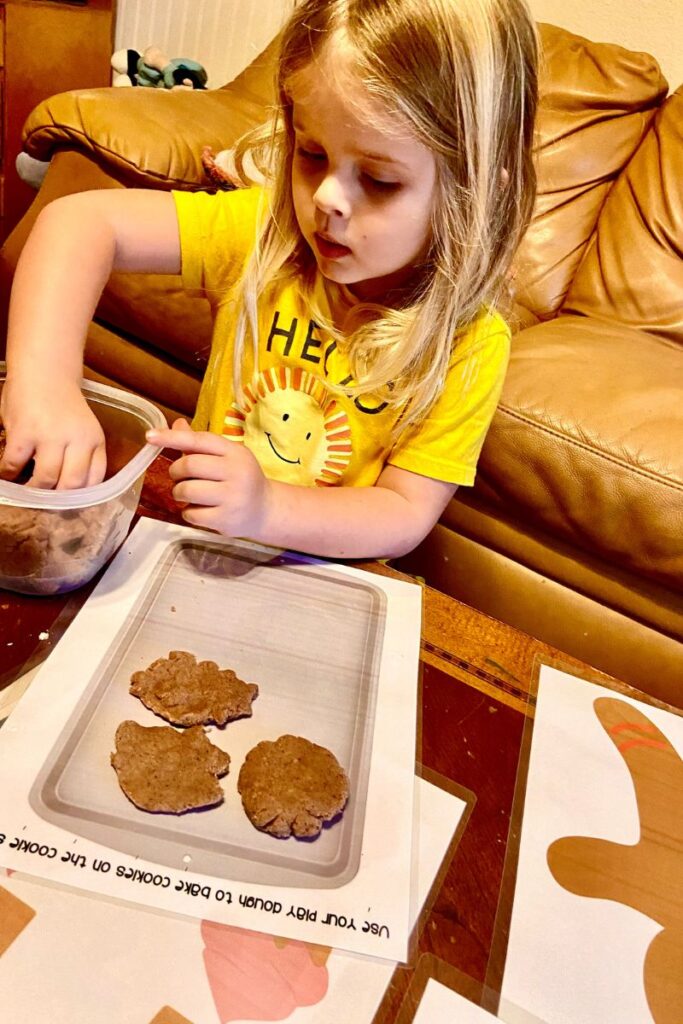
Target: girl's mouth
330	250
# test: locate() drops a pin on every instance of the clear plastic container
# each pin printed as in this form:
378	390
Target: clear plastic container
54	541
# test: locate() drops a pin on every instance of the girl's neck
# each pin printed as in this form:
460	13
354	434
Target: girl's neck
343	298
339	300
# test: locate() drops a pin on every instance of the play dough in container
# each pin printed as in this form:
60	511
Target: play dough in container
54	541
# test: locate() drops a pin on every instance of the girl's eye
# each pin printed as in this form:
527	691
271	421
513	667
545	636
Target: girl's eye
379	185
309	154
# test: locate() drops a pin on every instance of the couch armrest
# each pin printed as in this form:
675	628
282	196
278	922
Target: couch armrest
153	137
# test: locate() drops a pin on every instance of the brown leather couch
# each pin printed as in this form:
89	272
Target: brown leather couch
574	529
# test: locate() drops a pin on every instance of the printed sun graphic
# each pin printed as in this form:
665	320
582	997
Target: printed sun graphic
295	428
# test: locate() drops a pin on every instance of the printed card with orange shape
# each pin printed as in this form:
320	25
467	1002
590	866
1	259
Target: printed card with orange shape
334	652
597	919
101	960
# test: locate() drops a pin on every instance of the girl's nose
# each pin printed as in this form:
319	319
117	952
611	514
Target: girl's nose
331	197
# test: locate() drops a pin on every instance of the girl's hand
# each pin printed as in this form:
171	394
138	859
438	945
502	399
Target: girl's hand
53	425
45	415
219	481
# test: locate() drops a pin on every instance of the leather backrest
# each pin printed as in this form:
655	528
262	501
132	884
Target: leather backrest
632	272
596	103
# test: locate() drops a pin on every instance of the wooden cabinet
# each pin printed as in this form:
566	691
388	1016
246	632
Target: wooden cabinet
46	47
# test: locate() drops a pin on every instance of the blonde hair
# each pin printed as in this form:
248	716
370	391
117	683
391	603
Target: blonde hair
462	75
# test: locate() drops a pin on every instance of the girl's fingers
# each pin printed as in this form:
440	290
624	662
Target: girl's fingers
76	467
188	441
98	467
56	466
48	459
198	467
200	516
15	458
199	492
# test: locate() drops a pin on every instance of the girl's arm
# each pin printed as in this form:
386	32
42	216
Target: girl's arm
76	242
384	521
225	490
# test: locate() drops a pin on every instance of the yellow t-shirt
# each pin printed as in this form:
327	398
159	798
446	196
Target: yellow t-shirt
300	431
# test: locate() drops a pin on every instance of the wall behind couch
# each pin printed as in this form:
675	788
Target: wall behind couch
224	35
655	26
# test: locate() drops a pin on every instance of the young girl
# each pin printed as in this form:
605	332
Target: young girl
356	341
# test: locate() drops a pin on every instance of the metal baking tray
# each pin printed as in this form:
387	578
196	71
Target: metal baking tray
311	638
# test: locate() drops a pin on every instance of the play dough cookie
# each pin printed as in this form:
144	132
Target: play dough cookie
160	769
187	692
291	786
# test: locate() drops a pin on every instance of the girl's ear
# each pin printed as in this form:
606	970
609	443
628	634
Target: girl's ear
504	178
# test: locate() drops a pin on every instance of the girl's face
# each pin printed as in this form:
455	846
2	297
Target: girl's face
362	196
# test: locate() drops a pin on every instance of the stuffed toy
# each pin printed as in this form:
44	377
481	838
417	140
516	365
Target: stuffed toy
221	172
152	69
219	169
30	170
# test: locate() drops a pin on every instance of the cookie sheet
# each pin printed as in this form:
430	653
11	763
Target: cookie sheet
335	652
310	638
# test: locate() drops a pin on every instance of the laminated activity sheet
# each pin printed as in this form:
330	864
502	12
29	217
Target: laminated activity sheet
99	960
334	652
597	919
441	1005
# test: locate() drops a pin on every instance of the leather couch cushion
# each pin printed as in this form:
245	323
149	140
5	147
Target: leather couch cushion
157	311
597	100
586	442
633	271
121	363
154	311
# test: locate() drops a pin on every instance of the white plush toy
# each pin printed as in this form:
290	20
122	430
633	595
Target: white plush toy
30	170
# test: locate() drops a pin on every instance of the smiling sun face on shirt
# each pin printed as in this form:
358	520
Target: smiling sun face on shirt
293	426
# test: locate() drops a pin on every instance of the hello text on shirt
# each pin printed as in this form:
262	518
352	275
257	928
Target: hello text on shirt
297	340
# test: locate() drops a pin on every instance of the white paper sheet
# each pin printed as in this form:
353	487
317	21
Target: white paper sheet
120	963
573	957
440	1005
364	915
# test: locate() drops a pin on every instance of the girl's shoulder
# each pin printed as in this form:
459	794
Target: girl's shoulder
217	232
235	210
486	336
489	324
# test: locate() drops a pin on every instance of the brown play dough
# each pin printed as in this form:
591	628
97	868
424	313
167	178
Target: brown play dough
160	769
187	692
291	786
53	547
